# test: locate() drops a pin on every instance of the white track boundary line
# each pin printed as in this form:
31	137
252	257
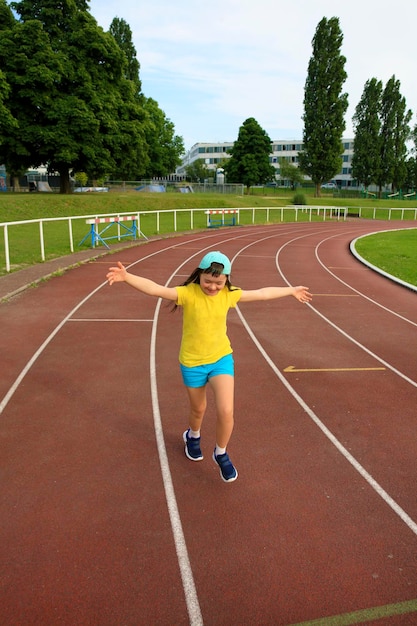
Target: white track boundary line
351	459
190	592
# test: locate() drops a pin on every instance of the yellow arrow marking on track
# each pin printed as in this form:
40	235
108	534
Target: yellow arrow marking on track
291	369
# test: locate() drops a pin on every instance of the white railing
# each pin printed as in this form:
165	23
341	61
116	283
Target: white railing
392	213
245	215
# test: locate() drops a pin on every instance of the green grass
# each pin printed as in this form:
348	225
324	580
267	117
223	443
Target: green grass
24	239
394	252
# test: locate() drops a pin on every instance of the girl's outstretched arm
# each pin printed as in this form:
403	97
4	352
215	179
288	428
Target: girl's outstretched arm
119	274
301	293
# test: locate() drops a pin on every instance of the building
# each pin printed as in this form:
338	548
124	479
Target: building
214	154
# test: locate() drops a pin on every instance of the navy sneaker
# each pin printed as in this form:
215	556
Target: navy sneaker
192	447
228	472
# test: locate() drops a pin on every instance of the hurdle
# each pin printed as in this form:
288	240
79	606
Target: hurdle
216	222
97	236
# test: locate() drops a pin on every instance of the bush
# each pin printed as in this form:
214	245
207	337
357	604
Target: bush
81	179
299	198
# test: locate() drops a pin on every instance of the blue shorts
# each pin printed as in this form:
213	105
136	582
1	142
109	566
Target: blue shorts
199	375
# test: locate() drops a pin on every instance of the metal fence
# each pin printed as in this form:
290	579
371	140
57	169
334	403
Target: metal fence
57	236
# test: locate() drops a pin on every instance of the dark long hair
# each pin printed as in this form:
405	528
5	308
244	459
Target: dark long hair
215	269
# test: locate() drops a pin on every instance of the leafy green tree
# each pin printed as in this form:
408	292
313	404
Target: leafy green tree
197	171
402	134
164	147
6	16
289	171
249	162
410	183
411	179
7	121
395	131
122	33
85	116
31	70
324	105
367	126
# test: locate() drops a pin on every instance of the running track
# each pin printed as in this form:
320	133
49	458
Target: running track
103	519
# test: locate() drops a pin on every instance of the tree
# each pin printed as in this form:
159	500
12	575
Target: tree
395	132
382	130
7	122
84	116
122	33
249	162
324	105
367	126
31	69
164	147
411	179
289	171
197	171
410	183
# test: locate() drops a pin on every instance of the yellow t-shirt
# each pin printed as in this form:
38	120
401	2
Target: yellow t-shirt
204	328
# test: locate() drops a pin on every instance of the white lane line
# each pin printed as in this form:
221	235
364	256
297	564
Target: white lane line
190	592
347	455
364	348
405	319
340	330
36	355
99	319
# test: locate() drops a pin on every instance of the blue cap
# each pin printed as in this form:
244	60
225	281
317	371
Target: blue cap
216	257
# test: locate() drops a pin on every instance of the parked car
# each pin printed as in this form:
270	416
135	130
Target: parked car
329	186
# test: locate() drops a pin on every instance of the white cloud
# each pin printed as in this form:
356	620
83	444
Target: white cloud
212	64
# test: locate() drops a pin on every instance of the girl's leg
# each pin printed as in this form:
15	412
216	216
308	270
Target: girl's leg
223	387
198	403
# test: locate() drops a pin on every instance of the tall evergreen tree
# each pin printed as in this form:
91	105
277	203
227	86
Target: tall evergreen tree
395	132
411	179
324	105
249	163
402	134
367	126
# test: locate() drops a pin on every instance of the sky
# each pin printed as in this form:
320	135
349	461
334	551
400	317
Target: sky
211	64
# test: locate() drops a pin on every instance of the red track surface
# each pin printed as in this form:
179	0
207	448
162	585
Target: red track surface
104	521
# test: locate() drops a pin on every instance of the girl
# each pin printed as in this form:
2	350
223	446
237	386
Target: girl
205	352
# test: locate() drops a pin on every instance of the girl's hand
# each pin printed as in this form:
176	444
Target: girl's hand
302	294
116	274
